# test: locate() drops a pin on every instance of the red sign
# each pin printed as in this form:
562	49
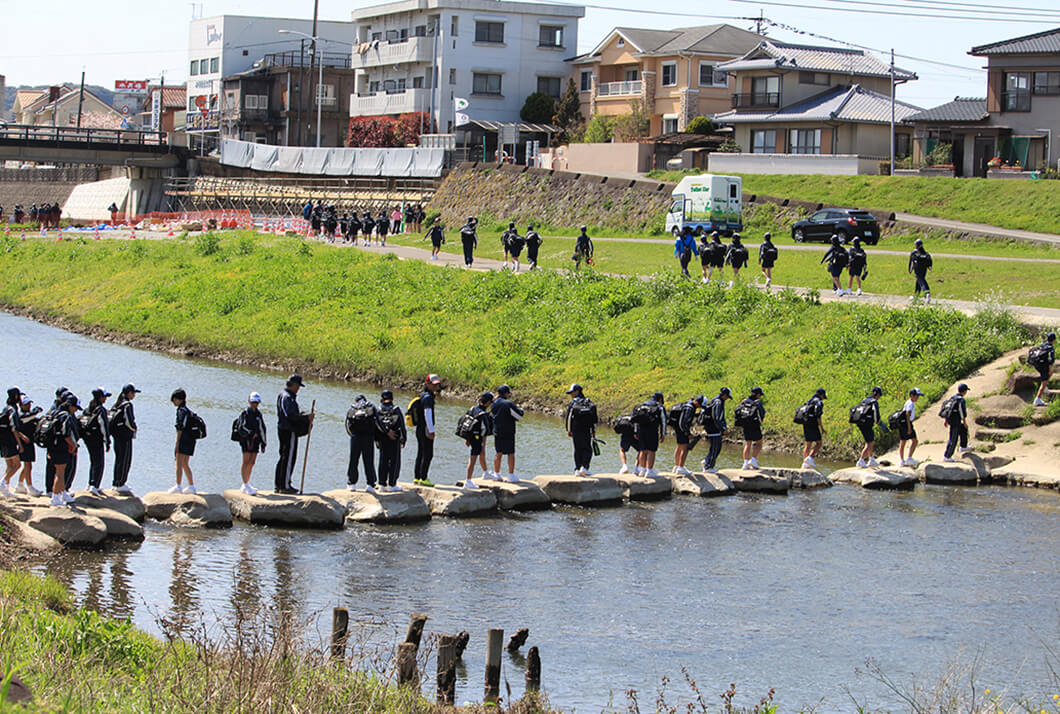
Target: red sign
205	112
130	86
200	101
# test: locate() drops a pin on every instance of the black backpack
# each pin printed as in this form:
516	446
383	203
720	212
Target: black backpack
673	418
196	427
390	419
645	413
624	425
897	419
746	413
947	409
804	414
861	413
706	417
840	257
583	413
89	424
239	429
467	426
47	431
359	417
1039	356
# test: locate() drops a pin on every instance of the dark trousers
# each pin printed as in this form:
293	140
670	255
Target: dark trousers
713	451
583	448
389	461
122	460
686	257
96	459
531	254
424	455
469	252
49	473
922	283
71	471
958	432
288	454
362	448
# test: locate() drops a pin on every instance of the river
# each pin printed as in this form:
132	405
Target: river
792	593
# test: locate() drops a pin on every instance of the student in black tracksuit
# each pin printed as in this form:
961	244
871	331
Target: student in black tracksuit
367	227
919	264
683	433
469	239
580	421
868	428
649	434
957	423
390	440
49	468
837	258
858	267
122	433
767	257
28	417
95	433
252	439
533	244
362	427
736	256
712	256
291	422
382	226
713	421
65	444
353	227
425	430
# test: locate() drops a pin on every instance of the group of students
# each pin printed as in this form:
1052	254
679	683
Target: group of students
324	220
511	242
46	215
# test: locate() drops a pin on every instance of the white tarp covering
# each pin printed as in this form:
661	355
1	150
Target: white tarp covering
420	163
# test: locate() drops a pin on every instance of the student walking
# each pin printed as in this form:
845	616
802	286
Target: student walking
1042	358
250	431
681	422
437	236
395	220
515	244
95	433
469	239
748	415
919	264
122	428
955	413
64	444
581	420
367	227
184	446
583	249
811	416
736	256
10	439
767	257
362	427
291	423
28	418
837	258
650	418
712	419
382	227
712	257
353	227
858	267
684	248
506	242
390	440
907	430
533	245
477	425
425	429
866	416
506	414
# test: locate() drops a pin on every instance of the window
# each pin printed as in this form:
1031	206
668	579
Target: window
392	36
585	80
373	87
804	141
710	77
482	83
765	91
631	75
550	36
419	31
377	36
764	141
1047	83
669	74
452	76
402	84
621	42
813	78
417	82
489	32
549	86
1017	94
454	26
669	124
215	64
901	146
204	66
194	68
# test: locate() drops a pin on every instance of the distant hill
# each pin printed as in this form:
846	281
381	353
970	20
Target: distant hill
8	100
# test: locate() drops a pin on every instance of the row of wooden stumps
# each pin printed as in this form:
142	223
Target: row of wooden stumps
450	650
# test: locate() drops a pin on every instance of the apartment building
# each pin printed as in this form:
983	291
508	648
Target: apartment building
673	73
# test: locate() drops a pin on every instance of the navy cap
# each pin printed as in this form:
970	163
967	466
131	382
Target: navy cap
725	392
877	391
504	389
386	396
915	391
962	387
658	396
485	398
821	393
574	388
129	388
757	390
296	379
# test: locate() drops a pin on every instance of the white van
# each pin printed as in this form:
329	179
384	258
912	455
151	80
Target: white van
707	203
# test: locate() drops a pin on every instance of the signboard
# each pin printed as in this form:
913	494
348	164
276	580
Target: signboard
509	134
156	110
125	110
200	101
130	86
460	119
460	104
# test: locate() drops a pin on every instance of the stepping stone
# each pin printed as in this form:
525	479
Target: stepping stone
877	479
643	488
397	507
1023	478
131	506
521	496
799	478
993	436
206	510
69	527
25	536
119	526
949	474
1022	382
1001	411
581	490
287	511
995	461
757	481
455	500
978	463
703	485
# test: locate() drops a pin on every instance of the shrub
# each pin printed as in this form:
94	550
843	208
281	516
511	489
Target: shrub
539	108
700	125
599	130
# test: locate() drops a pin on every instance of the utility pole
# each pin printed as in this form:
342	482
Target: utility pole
80	99
892	111
313	58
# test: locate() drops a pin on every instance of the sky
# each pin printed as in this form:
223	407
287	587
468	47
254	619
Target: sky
50	41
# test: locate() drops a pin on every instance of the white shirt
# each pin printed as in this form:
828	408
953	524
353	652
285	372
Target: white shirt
910	406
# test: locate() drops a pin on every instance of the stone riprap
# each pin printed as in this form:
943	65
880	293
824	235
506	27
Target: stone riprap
397	507
757	481
877	479
286	511
580	490
519	496
208	510
701	484
454	500
642	488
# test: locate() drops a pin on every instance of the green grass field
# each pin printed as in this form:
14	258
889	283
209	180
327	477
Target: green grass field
339	309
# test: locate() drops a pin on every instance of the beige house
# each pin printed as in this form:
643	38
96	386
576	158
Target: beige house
59	106
674	73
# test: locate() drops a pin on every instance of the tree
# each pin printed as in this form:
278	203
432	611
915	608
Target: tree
599	130
700	125
633	126
568	118
729	146
387	132
539	108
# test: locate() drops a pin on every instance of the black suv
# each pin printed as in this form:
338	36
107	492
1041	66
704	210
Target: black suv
846	223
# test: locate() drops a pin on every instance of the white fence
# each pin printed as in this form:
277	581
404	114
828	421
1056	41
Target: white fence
828	164
416	163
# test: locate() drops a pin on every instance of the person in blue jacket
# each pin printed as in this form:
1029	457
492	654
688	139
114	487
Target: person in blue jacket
684	248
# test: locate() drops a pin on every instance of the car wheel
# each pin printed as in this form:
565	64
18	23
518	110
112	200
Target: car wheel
798	235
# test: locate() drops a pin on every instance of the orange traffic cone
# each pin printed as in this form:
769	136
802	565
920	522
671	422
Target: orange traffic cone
96	236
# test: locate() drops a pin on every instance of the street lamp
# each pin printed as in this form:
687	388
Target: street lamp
320	71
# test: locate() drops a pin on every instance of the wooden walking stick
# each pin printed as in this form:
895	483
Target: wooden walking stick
308	436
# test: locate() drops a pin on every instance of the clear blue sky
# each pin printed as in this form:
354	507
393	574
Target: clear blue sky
50	41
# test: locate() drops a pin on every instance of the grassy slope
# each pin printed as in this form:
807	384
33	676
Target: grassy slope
340	309
1024	204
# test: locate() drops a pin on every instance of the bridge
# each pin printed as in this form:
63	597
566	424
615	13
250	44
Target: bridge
102	147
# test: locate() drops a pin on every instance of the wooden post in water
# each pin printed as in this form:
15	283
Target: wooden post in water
340	623
494	646
518	640
447	669
533	670
461	643
406	665
415	631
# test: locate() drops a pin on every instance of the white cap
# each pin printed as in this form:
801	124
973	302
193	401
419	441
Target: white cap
254	397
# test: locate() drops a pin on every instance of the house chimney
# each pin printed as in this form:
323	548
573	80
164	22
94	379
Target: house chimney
53	93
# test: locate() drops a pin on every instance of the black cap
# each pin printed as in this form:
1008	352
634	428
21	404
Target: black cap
296	379
1051	337
470	218
767	236
485	398
178	394
574	388
100	393
530	227
71	400
962	387
918	242
511	224
725	392
15	393
583	229
658	396
504	389
386	396
129	388
877	391
821	393
61	391
757	390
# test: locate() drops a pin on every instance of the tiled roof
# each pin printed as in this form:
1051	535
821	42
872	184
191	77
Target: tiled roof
771	54
719	39
843	103
961	109
1047	42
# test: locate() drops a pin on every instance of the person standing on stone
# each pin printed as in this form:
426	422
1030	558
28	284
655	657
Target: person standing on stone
469	240
1046	356
10	439
425	430
476	440
28	417
907	430
919	264
533	244
957	421
291	423
251	432
506	414
581	420
767	257
812	420
437	236
583	249
683	433
869	417
736	256
858	267
59	451
650	418
361	426
684	248
749	415
390	439
837	258
184	446
627	433
95	432
713	422
122	429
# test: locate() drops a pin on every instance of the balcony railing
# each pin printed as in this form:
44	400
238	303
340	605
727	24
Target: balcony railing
294	58
756	100
620	89
381	52
393	102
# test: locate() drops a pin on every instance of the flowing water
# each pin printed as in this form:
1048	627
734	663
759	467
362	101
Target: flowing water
792	592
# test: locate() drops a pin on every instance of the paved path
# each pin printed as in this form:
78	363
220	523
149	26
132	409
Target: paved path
977	228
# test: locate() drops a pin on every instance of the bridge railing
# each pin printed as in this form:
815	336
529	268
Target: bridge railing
39	132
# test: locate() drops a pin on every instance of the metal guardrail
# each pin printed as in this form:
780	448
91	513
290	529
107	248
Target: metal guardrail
756	99
619	89
294	58
124	137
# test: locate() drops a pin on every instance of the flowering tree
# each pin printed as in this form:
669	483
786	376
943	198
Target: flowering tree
387	132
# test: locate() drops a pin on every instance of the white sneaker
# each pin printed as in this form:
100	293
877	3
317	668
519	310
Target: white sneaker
395	489
21	490
190	488
249	490
769	281
730	283
485	476
351	487
585	473
57	501
469	485
948	459
623	470
494	476
927	297
1038	402
858	293
873	463
30	491
754	462
124	490
67	497
682	471
4	490
861	463
712	471
746	465
705	281
175	488
651	473
94	491
806	464
369	489
511	478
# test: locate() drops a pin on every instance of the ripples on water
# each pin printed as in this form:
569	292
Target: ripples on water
786	592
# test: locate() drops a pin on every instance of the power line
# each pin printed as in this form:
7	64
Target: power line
989	7
992	12
890	13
